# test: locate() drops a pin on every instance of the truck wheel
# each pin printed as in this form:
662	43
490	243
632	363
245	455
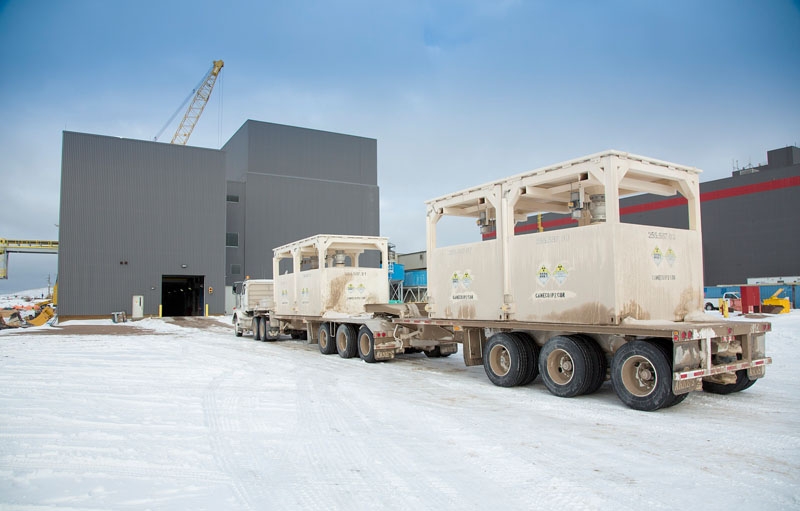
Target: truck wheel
366	344
642	376
346	343
256	326
505	360
262	329
742	382
436	352
710	307
326	344
598	362
565	366
237	327
532	351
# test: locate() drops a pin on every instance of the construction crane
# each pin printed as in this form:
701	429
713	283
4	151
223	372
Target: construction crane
199	97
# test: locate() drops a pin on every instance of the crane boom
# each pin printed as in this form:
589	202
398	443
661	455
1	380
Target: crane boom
197	105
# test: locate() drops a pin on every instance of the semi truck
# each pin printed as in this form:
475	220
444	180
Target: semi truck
254	300
597	298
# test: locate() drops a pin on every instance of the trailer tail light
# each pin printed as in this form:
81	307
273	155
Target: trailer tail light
379	334
681	335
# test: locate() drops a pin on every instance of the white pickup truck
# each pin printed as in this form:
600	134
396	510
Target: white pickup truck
734	301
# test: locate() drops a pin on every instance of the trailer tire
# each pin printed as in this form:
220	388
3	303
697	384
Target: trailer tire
237	328
255	324
599	364
505	360
327	346
565	366
642	376
366	345
346	340
742	382
532	351
676	399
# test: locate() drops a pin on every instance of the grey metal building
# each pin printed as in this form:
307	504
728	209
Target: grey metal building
287	183
148	219
140	219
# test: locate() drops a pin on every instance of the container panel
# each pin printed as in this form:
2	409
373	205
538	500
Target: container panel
284	294
308	292
347	290
564	276
659	272
466	281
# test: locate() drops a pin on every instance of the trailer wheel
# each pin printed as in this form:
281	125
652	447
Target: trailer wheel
565	366
532	351
505	360
642	376
366	344
598	362
346	343
256	326
326	344
675	399
237	327
742	382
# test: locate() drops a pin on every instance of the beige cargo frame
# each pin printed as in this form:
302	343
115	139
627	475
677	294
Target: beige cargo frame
598	273
326	279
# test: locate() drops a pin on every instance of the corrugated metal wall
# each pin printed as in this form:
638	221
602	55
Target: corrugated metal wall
298	182
131	212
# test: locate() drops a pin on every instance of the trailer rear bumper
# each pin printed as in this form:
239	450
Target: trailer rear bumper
756	369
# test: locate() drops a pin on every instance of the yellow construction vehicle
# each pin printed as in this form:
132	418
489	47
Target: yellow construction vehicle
775	305
46	313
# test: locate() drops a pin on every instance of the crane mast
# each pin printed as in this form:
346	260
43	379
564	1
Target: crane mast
197	105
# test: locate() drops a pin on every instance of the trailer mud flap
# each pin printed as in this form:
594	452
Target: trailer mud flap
756	372
685	386
473	340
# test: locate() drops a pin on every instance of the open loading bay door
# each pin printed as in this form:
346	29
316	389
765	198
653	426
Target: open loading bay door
182	295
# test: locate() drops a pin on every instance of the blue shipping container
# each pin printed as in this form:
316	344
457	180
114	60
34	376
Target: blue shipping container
416	278
718	291
396	271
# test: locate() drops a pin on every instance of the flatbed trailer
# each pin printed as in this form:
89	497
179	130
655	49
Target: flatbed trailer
662	364
599	299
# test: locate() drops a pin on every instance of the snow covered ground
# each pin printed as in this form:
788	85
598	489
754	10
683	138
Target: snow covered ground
161	414
30	296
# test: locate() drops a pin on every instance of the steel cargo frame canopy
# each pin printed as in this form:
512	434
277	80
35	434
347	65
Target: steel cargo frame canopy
327	276
602	271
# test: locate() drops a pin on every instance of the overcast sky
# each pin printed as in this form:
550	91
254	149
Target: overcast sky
457	93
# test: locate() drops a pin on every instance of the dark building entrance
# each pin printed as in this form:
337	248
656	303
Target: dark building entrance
182	295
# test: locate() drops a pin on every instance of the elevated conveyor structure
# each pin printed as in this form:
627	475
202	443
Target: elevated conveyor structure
23	246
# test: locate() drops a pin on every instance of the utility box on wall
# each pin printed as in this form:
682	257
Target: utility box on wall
137	309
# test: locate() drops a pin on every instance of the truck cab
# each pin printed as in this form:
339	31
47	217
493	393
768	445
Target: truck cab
253	297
